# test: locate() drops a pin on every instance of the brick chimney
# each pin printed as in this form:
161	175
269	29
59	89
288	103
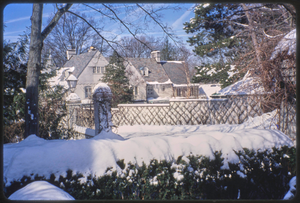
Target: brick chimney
156	56
70	53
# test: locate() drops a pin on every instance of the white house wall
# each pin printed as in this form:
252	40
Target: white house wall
87	77
136	80
161	90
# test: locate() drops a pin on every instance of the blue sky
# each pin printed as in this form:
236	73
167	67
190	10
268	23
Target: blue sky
17	18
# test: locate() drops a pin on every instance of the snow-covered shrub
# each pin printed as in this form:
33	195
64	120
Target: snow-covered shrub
258	175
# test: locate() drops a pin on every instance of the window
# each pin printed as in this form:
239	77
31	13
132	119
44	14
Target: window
149	90
163	88
178	92
102	70
98	70
87	91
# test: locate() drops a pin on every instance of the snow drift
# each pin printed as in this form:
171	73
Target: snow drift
138	144
40	190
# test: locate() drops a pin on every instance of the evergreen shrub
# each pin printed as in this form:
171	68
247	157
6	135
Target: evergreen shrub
258	175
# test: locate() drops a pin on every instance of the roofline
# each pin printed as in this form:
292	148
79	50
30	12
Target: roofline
87	63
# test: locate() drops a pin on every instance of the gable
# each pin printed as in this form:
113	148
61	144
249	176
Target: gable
175	71
80	62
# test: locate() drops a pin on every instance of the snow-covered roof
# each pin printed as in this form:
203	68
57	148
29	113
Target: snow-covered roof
59	78
210	89
159	83
287	43
248	85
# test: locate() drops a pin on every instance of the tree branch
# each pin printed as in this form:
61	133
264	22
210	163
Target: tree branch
165	31
93	29
54	21
126	26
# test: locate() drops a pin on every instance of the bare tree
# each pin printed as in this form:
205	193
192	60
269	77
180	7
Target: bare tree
130	47
69	33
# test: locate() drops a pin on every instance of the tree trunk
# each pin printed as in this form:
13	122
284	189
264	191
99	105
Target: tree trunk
253	36
34	65
33	72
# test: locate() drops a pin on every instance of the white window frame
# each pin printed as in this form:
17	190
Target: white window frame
87	91
98	69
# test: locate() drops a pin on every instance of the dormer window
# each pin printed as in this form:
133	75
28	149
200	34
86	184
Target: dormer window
144	71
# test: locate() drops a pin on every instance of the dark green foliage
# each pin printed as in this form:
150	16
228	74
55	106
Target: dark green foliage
202	178
213	29
52	109
14	78
214	36
216	73
116	79
51	105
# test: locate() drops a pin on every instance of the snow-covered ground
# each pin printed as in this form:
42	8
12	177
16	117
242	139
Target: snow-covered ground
40	190
139	144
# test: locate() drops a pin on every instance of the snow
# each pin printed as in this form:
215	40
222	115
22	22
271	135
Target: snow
205	5
158	99
137	144
40	190
210	89
59	79
71	77
292	184
288	43
159	83
73	97
100	87
248	85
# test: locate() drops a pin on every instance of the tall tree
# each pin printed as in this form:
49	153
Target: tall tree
34	65
240	34
115	77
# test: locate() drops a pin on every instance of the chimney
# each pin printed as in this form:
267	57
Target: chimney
70	53
156	56
92	49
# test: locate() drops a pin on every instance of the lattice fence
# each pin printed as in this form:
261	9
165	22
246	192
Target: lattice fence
231	110
288	118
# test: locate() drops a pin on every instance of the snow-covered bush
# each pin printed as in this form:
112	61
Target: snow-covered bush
258	175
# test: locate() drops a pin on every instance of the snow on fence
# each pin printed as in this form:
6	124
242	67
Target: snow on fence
231	110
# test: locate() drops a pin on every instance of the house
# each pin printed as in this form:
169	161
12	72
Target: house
152	80
88	68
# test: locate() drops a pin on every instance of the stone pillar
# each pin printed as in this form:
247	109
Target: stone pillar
102	108
73	102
